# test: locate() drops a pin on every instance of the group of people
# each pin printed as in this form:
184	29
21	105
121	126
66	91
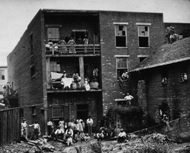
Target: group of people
76	82
24	130
105	133
64	46
70	131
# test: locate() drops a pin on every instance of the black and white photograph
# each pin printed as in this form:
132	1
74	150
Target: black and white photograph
95	76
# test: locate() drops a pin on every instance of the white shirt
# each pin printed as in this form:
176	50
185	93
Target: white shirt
89	121
128	97
122	134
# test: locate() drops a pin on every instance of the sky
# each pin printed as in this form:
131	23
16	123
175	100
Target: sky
15	15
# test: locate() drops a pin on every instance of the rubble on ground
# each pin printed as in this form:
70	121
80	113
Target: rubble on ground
155	142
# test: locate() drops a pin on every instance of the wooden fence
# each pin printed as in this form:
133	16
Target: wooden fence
10	125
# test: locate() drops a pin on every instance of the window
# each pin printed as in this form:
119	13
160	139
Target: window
121	34
32	71
53	34
142	57
143	34
2	74
164	78
55	66
31	45
121	65
33	110
184	75
57	112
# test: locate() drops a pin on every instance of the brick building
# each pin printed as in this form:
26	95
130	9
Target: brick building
118	41
161	82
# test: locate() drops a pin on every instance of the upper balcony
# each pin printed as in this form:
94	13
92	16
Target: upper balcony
72	33
72	50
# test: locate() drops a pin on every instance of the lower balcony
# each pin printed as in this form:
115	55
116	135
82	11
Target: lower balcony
58	83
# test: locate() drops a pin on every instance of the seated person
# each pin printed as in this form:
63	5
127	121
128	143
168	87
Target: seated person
121	136
49	46
66	82
125	75
101	135
69	136
86	84
59	133
94	84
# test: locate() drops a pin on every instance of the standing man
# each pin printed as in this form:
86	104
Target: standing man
128	98
89	123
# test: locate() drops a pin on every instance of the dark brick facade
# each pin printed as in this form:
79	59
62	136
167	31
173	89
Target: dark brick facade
174	93
111	89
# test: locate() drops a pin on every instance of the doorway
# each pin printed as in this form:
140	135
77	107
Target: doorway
82	111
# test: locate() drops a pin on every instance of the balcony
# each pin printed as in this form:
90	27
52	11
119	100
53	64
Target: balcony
58	84
73	50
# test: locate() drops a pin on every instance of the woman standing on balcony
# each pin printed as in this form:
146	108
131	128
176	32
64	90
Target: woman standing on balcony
62	46
85	41
71	43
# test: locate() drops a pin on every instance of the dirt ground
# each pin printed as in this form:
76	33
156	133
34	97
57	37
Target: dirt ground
134	145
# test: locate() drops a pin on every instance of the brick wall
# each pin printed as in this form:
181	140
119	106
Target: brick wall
30	90
175	93
111	89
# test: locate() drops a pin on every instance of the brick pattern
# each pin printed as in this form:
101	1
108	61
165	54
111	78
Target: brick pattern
111	89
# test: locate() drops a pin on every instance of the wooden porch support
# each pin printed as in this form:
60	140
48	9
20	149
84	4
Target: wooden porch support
48	72
81	69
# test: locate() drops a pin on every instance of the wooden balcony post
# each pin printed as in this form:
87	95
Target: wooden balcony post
48	72
81	69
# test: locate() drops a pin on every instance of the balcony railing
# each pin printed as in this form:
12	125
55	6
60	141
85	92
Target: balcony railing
73	49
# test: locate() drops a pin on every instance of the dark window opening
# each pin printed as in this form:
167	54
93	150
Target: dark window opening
76	34
3	77
164	110
31	45
120	41
82	111
21	113
142	58
34	110
32	71
143	42
184	75
164	78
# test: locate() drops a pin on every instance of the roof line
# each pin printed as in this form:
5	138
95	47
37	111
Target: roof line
162	64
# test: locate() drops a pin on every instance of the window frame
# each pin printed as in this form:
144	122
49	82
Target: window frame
54	109
127	64
124	24
53	26
145	25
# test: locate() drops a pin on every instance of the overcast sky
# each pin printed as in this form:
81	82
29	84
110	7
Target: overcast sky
15	15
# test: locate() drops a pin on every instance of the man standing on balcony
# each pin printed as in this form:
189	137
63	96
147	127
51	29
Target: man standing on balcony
128	98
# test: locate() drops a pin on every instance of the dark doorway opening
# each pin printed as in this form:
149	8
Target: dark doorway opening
82	111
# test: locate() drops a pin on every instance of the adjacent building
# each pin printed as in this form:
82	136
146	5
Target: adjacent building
162	81
117	42
3	74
